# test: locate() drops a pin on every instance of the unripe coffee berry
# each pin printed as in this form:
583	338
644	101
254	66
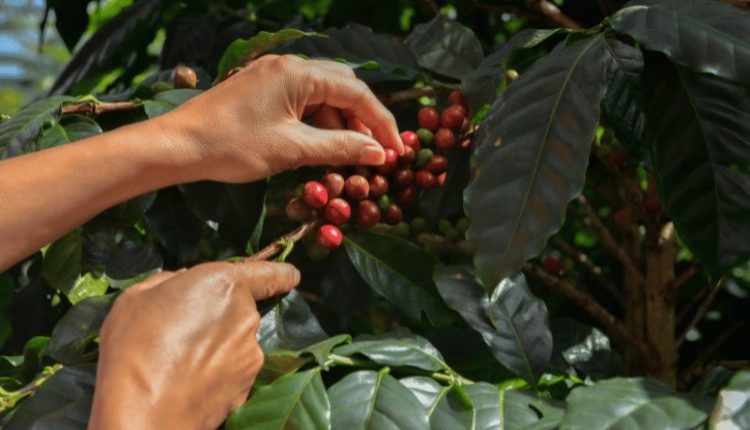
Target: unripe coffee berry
357	187
403	177
407	196
334	184
445	139
425	136
338	211
418	225
160	86
402	229
184	77
409	156
511	75
452	234
391	159
315	194
317	253
553	265
409	138
452	118
456	97
425	180
424	156
368	214
428	118
393	214
437	165
384	201
462	224
378	186
298	210
444	225
329	236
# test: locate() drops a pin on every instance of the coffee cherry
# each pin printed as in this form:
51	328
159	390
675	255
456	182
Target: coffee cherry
357	187
334	184
338	211
441	178
425	136
652	204
511	75
452	234
437	165
184	77
409	156
425	180
402	229
298	210
407	196
160	86
317	253
444	225
457	98
391	159
452	118
368	214
315	194
403	177
378	186
418	225
552	265
409	138
384	201
428	118
462	224
393	214
622	218
363	171
424	156
329	236
444	139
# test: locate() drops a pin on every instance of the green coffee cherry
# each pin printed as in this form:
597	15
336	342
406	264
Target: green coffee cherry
384	201
418	225
425	136
444	226
161	86
424	156
317	253
402	229
462	225
452	234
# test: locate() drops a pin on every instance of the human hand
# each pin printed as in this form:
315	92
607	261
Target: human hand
250	126
179	350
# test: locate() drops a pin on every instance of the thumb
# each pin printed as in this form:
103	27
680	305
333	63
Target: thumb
340	147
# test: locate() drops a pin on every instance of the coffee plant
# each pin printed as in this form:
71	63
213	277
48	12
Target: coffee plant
564	243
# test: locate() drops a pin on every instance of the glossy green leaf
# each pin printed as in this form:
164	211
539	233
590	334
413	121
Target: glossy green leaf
170	219
732	408
67	130
77	328
62	262
87	286
512	322
63	402
696	131
446	47
399	348
280	362
532	154
704	36
400	271
297	401
290	325
581	348
21	130
165	101
427	390
255	46
631	403
374	400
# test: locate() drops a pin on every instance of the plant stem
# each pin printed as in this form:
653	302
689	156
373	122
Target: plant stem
285	241
705	305
98	108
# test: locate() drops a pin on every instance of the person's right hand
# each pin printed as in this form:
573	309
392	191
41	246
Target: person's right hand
179	350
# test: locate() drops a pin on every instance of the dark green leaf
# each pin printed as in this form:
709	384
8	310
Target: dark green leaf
452	411
63	402
68	130
121	260
631	403
399	348
19	132
427	390
446	47
297	401
6	289
697	128
77	328
71	19
732	409
704	36
512	321
374	400
62	262
585	349
280	362
399	271
255	46
712	382
290	325
175	226
532	157
447	201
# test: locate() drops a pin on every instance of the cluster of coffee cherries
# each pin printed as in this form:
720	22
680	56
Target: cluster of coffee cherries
366	196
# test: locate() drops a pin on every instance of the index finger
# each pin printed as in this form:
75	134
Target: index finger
354	98
265	279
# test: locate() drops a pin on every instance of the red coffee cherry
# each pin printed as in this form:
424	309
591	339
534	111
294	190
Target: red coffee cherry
409	138
553	265
368	214
428	118
452	118
437	165
441	179
652	204
334	184
315	194
378	186
457	98
393	214
403	177
184	77
408	157
357	187
391	159
298	210
338	211
407	196
445	139
329	236
425	180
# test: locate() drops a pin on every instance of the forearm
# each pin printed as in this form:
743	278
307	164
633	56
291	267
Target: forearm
46	194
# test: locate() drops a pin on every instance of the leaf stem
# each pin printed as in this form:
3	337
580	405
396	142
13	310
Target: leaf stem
285	243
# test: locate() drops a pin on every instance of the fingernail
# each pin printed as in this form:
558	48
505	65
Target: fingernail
372	155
